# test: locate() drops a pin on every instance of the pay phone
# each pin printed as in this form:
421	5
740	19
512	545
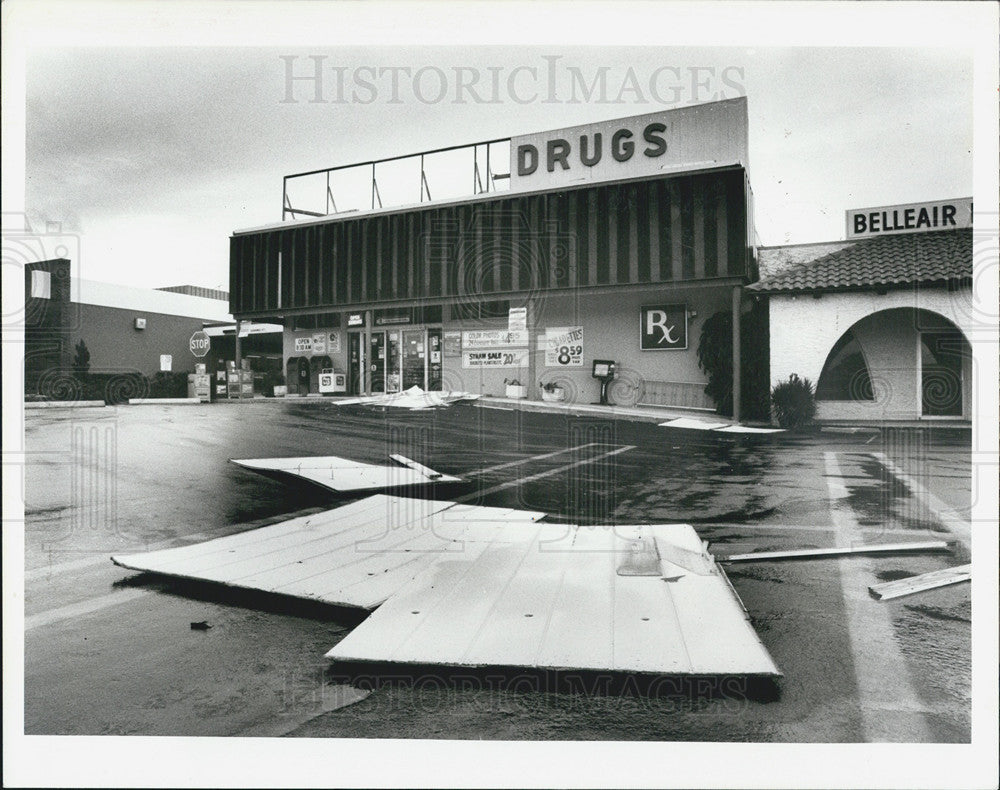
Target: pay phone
604	370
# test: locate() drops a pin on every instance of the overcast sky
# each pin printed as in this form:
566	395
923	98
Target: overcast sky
154	155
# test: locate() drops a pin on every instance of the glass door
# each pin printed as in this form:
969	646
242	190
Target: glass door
355	364
393	361
414	359
434	359
377	363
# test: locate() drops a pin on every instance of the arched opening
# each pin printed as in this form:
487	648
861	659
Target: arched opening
902	363
845	374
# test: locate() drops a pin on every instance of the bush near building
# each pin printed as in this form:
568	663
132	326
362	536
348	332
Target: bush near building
794	402
715	358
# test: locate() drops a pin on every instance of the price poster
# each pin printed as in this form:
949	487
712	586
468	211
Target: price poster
564	347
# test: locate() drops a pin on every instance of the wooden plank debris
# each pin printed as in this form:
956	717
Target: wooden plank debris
805	554
921	582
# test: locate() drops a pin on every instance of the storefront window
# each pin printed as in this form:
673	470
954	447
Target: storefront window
845	375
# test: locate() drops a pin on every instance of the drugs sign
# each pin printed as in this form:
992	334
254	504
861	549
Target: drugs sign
663	327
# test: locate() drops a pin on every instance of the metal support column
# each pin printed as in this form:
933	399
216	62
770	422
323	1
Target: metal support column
737	299
239	362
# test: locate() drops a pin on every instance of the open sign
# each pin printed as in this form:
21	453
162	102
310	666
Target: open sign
199	343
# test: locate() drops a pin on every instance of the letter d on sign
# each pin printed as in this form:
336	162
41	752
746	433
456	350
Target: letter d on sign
527	160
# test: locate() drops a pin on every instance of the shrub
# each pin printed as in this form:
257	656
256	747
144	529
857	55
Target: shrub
794	402
168	385
715	357
81	359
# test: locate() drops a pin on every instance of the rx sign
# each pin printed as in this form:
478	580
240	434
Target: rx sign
663	327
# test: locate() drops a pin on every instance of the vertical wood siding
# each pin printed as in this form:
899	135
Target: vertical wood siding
685	228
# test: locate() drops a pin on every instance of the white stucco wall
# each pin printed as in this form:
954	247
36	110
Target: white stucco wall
804	329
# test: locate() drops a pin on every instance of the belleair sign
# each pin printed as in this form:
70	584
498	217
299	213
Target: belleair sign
909	218
671	141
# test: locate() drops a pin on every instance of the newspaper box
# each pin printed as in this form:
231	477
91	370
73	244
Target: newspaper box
330	381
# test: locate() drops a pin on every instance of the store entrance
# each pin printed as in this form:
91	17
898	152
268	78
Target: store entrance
414	359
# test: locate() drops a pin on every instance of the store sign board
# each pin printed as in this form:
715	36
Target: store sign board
333	342
496	358
663	327
494	338
303	344
909	218
564	346
517	319
355	319
452	342
670	141
319	343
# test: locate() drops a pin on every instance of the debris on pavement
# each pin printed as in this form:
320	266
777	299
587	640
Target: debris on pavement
721	427
530	599
414	399
459	585
200	626
353	556
921	582
804	554
342	474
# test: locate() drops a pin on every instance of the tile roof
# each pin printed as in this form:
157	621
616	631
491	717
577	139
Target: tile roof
900	259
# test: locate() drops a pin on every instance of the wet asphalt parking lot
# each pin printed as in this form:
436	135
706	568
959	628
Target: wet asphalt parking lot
109	651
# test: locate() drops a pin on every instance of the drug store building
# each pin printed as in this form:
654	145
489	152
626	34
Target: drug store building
610	241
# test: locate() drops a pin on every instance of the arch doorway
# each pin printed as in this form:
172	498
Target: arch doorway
901	363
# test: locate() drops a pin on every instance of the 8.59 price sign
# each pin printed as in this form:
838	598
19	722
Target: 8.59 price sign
564	346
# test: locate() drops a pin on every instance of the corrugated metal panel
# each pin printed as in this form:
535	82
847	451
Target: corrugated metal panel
533	600
657	230
356	555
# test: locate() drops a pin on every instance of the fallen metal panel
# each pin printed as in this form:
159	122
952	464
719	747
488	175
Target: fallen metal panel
552	603
924	581
885	548
356	555
342	474
697	425
748	429
414	399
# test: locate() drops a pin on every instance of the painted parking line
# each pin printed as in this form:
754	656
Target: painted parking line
891	710
89	606
541	475
947	515
520	461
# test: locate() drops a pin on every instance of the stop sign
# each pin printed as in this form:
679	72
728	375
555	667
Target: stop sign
199	343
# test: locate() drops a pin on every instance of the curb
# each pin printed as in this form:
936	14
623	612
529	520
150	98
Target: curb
68	404
612	412
159	401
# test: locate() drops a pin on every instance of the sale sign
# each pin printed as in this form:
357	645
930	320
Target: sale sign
496	358
564	346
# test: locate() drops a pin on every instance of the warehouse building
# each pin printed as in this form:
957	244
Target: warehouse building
613	241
